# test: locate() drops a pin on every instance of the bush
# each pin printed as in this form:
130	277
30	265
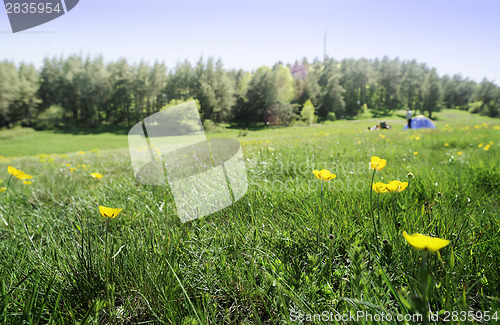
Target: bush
51	118
307	113
331	116
210	127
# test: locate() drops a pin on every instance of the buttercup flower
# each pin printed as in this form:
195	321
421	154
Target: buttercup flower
96	175
379	187
3	189
423	242
377	163
396	186
19	174
459	153
324	175
109	212
27	182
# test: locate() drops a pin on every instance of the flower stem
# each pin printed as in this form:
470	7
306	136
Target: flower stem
8	183
371	202
106	253
320	223
394	211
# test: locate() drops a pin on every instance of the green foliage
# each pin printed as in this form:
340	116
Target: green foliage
307	112
331	116
95	93
50	118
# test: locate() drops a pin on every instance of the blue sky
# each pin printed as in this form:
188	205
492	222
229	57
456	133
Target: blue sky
452	36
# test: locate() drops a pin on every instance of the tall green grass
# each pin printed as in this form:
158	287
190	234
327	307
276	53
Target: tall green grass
257	261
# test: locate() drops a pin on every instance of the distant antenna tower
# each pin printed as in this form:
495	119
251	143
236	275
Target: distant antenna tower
324	47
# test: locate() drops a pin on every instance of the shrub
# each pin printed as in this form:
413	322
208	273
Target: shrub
51	118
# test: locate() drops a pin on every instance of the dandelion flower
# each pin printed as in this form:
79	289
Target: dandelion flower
379	187
423	242
96	175
415	153
324	175
27	182
446	144
80	152
109	212
396	186
480	145
460	153
377	163
487	147
417	138
3	189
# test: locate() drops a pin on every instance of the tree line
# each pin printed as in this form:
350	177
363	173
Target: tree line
78	91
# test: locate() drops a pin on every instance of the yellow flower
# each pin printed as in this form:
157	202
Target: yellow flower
3	189
396	186
19	174
109	212
69	165
415	153
460	153
446	144
27	182
423	242
381	135
487	147
377	163
80	152
379	187
324	175
14	171
480	145
96	175
417	138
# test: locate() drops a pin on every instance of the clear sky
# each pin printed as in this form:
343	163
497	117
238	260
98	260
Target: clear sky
454	36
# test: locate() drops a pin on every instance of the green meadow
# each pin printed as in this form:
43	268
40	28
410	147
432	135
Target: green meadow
292	250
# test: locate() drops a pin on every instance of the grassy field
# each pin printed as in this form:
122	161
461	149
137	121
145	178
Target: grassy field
282	254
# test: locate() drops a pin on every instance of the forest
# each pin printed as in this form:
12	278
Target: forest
88	92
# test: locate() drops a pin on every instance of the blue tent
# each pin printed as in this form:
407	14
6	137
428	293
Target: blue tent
419	122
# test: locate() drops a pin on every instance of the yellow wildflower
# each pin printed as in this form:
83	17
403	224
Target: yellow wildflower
324	175
379	187
423	242
396	186
377	163
109	212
